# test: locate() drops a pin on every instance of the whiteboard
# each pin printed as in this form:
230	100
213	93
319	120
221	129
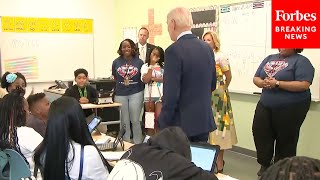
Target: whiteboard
45	57
245	34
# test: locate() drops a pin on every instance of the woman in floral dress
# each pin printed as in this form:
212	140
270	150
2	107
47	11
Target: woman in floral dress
225	134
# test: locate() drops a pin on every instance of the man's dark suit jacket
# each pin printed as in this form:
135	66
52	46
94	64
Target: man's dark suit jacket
189	79
149	50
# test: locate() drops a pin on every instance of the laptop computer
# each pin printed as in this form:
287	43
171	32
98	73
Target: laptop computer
204	155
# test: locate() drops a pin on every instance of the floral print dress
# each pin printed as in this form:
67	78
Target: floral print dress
225	135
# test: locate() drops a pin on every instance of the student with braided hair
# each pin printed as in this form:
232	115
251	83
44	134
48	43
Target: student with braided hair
293	168
14	134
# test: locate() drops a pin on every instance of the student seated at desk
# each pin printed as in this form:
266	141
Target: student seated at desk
166	155
81	91
68	142
39	108
11	81
14	134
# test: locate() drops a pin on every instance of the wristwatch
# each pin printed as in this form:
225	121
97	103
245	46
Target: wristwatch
277	84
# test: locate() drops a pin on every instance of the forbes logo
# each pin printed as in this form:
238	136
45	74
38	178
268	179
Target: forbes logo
296	16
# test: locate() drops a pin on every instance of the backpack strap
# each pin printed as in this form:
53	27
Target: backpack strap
81	162
81	165
67	177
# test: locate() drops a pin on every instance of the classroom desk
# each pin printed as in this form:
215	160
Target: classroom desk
98	106
127	145
53	94
56	93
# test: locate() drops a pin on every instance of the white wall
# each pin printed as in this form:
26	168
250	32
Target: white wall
101	11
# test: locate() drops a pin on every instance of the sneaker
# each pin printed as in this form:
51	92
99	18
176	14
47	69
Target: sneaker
262	170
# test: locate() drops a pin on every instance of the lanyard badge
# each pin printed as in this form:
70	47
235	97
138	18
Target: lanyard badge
126	80
84	94
126	77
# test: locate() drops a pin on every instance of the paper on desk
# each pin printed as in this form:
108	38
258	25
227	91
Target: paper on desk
86	106
110	155
225	177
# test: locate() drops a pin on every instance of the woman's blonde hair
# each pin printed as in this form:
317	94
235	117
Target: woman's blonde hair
215	40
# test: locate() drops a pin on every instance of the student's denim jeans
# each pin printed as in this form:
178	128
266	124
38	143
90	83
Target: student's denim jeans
130	111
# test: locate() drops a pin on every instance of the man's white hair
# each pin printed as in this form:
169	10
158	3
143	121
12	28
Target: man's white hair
182	16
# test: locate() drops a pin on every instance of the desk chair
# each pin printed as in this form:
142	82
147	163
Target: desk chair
17	167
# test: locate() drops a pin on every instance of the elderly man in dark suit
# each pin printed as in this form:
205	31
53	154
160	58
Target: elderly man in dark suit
189	79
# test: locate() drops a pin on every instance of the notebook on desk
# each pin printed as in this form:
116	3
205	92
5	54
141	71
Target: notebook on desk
204	155
112	156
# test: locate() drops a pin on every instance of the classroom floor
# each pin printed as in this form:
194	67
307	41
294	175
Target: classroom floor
240	166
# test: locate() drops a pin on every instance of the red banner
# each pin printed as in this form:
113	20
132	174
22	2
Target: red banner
295	23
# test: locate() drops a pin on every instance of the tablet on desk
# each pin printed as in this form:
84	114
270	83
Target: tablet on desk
204	155
94	123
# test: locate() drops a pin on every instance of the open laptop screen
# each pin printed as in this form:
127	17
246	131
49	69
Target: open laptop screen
204	157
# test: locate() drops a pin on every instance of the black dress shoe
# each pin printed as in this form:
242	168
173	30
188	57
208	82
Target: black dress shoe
262	170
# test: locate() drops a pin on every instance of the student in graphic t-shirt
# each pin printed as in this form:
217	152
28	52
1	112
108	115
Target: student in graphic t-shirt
152	76
129	88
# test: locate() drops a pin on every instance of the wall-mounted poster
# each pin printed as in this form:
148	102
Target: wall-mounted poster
204	19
